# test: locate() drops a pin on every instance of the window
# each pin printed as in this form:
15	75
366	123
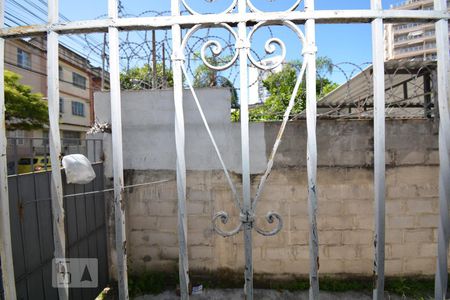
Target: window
23	59
431	45
77	108
61	105
20	137
71	138
45	137
61	73
78	80
404	26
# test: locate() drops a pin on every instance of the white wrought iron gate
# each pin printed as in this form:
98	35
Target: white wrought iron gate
242	19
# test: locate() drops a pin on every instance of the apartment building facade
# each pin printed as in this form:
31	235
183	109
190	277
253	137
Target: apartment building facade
78	81
411	41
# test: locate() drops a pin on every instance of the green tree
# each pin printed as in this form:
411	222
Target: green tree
206	77
281	85
141	78
24	110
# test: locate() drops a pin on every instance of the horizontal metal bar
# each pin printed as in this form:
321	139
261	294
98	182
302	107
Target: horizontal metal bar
46	139
165	22
125	187
101	191
36	173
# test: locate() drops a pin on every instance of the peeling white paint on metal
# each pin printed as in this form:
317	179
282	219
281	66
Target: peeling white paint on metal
187	21
6	256
58	213
178	60
116	123
311	120
246	215
441	279
379	150
240	14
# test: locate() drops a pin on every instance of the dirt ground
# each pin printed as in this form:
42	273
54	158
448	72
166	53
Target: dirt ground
264	295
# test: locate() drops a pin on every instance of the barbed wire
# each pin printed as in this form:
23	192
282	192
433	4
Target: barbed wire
410	87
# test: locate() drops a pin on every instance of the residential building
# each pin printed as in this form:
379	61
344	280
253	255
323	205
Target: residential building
78	81
411	41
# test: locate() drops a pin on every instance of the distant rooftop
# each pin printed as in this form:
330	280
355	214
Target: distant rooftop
408	84
407	2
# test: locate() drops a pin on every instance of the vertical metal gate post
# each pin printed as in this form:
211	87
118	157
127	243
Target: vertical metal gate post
178	60
6	257
444	148
311	120
116	123
246	215
59	234
379	149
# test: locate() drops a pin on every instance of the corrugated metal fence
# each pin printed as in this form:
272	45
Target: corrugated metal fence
32	233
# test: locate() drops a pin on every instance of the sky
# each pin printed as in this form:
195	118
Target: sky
343	44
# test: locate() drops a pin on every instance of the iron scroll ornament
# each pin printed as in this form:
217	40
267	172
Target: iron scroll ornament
246	216
252	7
270	218
194	12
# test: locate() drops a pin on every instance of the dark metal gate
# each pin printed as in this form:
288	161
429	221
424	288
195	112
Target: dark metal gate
32	233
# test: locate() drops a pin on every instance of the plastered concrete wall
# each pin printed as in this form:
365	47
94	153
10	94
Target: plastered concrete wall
149	139
345	192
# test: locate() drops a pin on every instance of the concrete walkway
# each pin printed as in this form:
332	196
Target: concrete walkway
263	295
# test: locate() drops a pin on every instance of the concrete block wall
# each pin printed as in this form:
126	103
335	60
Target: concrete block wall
345	221
345	191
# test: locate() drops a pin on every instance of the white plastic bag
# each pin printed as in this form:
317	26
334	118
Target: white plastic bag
78	169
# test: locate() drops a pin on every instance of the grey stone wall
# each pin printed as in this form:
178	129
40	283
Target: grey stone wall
345	190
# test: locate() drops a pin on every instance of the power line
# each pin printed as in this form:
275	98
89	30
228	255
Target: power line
30	15
15	17
37	7
18	15
14	2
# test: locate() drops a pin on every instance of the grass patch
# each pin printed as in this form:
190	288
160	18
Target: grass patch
417	288
151	283
356	284
157	282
